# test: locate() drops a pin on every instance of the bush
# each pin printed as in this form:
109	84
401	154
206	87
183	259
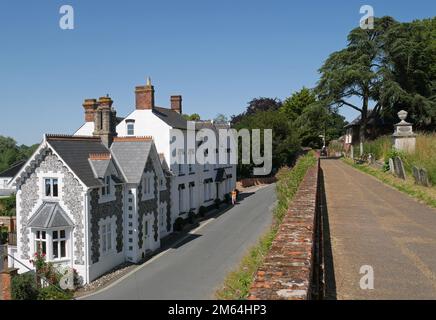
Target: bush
202	211
217	203
178	224
24	287
191	217
227	198
3	235
7	206
54	293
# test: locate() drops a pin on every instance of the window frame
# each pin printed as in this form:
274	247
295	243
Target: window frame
130	127
51	184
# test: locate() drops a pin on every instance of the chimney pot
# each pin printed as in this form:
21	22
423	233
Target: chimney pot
176	104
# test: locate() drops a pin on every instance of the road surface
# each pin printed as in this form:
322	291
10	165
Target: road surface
197	267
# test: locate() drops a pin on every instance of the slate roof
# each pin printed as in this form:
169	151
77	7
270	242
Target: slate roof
13	170
100	167
50	215
131	156
75	151
170	117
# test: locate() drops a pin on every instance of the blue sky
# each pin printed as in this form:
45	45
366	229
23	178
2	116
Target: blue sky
217	54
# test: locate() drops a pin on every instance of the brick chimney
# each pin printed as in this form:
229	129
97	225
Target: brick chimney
105	121
145	96
176	104
90	105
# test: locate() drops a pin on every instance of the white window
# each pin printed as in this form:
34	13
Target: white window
148	186
106	237
106	189
51	187
59	241
41	242
130	129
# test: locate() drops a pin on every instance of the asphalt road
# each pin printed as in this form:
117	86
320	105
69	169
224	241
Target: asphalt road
197	267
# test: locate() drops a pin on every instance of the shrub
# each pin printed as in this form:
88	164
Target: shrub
217	203
227	198
3	235
7	206
23	287
202	211
191	217
54	293
178	224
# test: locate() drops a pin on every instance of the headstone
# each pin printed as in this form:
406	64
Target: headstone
391	166
371	159
423	174
416	175
399	168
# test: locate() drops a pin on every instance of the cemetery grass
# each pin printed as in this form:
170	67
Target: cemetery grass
238	282
423	194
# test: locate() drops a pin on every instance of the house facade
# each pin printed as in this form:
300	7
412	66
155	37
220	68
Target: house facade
109	193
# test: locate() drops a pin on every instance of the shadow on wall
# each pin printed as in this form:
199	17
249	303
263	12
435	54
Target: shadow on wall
329	270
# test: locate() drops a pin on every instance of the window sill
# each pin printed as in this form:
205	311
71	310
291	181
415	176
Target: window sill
147	197
51	199
191	173
63	260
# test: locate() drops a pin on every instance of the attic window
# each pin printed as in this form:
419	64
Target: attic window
131	129
106	189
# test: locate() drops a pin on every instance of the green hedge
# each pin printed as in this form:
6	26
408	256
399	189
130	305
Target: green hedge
7	206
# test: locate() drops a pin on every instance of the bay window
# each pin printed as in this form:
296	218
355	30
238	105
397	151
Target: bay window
59	241
41	242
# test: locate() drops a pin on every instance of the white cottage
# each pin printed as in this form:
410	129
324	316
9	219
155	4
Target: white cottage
89	204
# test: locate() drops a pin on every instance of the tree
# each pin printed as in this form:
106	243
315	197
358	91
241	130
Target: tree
409	76
11	153
257	105
221	118
356	72
294	106
192	117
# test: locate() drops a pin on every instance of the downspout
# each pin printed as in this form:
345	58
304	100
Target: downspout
86	237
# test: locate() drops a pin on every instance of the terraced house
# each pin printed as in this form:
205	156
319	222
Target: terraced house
110	193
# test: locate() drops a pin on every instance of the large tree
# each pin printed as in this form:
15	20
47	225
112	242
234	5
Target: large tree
295	105
355	73
257	105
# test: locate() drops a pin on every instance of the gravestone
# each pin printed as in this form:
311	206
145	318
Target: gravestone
404	138
423	174
391	166
399	168
416	175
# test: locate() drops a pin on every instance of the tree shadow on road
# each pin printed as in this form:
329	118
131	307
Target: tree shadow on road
329	270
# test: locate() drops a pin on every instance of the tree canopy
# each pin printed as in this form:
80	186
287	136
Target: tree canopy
10	153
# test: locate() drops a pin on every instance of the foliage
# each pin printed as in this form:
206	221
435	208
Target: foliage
54	293
45	270
227	198
179	224
23	287
10	153
3	235
238	282
285	142
191	217
408	186
202	211
424	155
192	117
7	206
257	105
410	73
217	203
296	104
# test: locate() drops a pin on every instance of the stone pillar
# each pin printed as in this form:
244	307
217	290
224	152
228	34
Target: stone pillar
6	283
403	138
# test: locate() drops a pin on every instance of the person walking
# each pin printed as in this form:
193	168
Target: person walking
234	197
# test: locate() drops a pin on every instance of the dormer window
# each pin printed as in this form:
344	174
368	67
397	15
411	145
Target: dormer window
130	127
51	187
106	189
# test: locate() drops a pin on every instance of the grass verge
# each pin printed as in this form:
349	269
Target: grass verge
237	283
408	186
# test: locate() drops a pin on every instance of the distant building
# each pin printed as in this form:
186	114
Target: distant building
6	177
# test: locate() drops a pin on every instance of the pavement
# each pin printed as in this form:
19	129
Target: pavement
385	231
196	266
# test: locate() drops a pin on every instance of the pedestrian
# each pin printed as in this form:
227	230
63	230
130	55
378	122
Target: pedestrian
233	197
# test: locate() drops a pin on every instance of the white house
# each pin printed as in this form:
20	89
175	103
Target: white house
92	203
192	185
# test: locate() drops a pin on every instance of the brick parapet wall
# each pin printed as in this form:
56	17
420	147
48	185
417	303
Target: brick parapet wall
292	268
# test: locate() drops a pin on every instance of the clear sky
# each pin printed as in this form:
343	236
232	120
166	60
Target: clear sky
217	54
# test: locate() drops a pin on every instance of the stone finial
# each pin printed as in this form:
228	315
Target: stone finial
402	115
148	81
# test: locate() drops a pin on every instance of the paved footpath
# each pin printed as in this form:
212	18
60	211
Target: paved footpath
373	224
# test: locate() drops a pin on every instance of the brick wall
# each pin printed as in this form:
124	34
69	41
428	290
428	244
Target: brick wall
292	270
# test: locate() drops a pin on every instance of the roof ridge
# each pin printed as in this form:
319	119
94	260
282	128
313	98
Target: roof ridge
133	139
55	136
100	156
